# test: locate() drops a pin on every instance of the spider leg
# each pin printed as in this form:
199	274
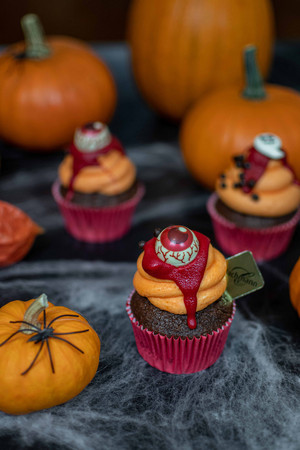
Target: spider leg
62	315
12	335
68	342
26	323
50	356
71	332
34	359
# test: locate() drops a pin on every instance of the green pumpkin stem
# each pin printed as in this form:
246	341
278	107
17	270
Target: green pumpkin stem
32	314
34	35
254	89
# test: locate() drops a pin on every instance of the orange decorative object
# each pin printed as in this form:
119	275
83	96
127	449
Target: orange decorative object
48	355
17	234
224	123
166	295
50	87
183	49
295	286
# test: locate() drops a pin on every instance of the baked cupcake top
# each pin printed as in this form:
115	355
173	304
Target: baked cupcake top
96	163
181	272
261	182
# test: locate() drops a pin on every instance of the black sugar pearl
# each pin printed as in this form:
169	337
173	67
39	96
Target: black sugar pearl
156	232
251	183
242	175
222	176
141	244
238	158
237	185
255	197
223	185
247	165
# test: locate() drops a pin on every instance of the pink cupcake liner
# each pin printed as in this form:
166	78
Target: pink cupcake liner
264	243
97	224
179	355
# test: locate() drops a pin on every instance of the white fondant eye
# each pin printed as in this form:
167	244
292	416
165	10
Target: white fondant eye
177	245
269	144
98	125
91	137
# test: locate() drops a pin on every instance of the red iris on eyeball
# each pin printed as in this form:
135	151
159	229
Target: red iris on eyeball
176	238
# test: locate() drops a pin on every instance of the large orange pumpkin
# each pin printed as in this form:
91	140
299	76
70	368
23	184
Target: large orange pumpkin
48	88
48	354
184	48
226	121
294	283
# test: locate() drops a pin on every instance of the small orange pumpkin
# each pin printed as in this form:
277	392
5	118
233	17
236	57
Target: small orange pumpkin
294	284
49	88
182	49
225	122
48	354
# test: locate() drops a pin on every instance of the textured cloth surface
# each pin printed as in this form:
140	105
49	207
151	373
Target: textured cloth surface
248	399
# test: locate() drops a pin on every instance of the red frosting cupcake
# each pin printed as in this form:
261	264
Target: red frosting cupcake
178	312
97	190
256	204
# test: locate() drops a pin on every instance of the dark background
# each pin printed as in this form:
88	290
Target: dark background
105	20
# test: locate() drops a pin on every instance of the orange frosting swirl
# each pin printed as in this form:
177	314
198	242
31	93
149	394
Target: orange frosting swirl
277	192
114	175
166	295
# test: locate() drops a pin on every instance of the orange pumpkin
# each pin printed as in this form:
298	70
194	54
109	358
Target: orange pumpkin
48	354
183	49
294	283
225	122
17	234
48	88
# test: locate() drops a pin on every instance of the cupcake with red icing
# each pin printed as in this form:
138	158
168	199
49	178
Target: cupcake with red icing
97	190
178	312
256	204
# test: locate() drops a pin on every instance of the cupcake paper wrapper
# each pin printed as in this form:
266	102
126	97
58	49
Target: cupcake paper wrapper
179	355
264	243
97	224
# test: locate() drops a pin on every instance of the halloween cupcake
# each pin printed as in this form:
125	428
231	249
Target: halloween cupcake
179	315
256	204
97	190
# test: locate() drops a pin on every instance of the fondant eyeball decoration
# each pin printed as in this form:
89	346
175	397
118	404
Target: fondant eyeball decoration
91	137
269	145
177	245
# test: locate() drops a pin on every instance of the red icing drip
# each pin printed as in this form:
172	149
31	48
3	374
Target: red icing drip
187	278
258	164
82	159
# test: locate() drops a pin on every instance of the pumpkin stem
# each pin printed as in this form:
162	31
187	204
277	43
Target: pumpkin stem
32	313
34	35
254	89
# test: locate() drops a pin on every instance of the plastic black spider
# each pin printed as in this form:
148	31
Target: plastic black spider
43	335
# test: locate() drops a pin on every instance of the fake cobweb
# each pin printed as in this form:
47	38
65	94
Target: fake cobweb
248	399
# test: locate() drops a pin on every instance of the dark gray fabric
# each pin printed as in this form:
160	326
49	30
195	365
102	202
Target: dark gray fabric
248	400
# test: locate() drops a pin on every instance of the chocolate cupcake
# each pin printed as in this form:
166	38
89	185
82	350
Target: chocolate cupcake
179	315
97	190
175	325
256	204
